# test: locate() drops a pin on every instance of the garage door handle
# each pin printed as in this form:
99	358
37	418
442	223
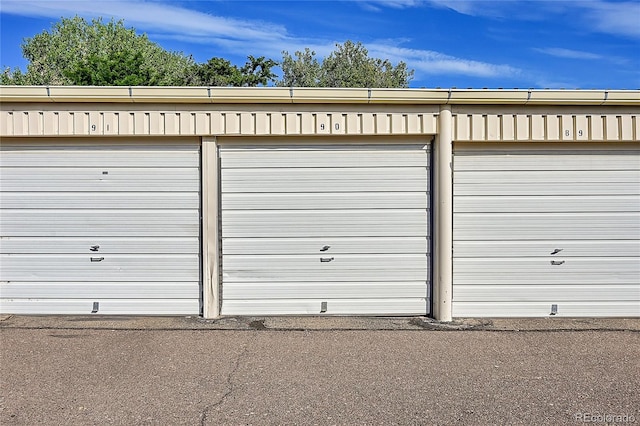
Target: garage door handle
557	262
97	259
326	259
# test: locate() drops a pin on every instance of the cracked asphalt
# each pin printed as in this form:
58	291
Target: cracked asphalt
65	371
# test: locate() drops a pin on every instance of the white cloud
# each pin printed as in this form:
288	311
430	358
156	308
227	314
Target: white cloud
568	53
151	16
620	18
431	62
165	21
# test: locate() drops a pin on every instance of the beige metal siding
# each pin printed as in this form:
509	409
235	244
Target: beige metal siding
484	126
536	227
202	122
135	203
368	205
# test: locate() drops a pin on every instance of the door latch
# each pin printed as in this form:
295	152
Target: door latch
326	259
97	259
557	262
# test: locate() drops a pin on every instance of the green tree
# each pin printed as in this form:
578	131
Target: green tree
221	72
303	71
13	77
349	65
114	69
74	49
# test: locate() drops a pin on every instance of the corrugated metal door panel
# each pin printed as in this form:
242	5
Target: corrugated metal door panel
540	203
320	181
112	223
118	306
545	159
529	226
101	200
99	155
344	245
616	308
287	201
326	223
99	223
561	293
352	306
512	188
102	290
104	266
541	248
110	245
250	157
329	290
343	225
562	228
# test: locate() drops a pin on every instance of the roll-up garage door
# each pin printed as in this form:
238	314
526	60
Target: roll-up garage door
104	227
325	229
542	230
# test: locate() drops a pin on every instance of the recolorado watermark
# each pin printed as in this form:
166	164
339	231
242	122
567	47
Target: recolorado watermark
606	418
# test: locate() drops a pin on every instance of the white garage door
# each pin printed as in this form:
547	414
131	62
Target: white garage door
544	230
103	227
325	229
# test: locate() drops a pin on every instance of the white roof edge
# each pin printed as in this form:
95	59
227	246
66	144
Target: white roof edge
281	95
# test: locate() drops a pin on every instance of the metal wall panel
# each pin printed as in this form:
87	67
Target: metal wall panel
556	226
343	225
196	120
115	223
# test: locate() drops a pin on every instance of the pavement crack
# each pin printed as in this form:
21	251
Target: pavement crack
230	385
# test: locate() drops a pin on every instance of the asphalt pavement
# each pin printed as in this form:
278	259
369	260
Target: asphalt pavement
324	371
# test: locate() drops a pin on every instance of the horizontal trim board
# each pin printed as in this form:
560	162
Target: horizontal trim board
106	306
100	200
346	245
543	309
543	249
328	290
106	245
101	289
546	203
405	306
544	293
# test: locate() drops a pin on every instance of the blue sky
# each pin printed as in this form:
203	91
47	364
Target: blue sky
450	43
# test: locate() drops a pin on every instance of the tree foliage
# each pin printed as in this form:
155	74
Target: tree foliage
349	65
221	72
124	68
74	47
77	52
